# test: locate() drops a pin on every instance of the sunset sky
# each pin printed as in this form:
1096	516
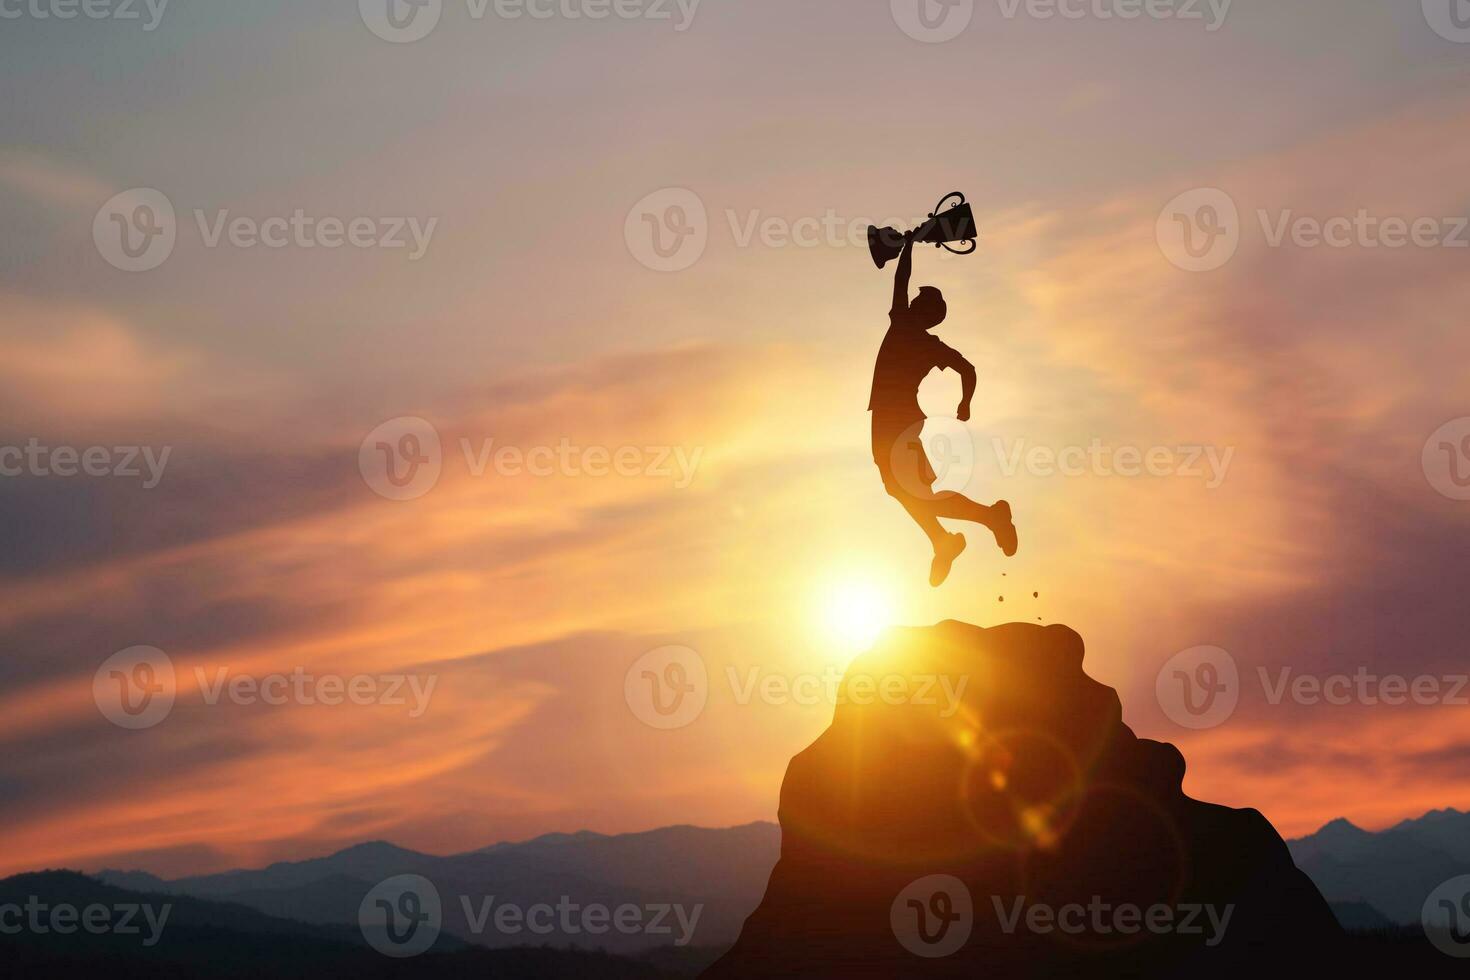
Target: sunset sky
1313	374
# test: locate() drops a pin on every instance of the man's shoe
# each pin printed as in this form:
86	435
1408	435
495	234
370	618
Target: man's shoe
944	556
1005	529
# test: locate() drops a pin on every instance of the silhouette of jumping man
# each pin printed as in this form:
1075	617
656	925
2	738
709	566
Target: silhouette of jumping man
908	354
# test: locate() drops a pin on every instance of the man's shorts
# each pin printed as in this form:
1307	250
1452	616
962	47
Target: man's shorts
898	451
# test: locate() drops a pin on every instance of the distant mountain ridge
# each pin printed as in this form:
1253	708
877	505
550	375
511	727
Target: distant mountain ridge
369	861
1371	878
1391	871
721	872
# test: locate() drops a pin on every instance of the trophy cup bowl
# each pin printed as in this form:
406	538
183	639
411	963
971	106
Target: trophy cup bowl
945	228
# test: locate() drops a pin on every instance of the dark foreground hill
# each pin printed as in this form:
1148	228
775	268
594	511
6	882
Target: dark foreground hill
1023	832
61	924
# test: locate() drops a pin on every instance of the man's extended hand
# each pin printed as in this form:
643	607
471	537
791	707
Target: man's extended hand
902	274
964	413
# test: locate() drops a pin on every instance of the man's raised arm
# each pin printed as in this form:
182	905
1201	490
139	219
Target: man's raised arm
901	277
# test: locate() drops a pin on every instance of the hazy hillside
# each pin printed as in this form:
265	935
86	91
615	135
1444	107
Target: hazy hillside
1392	871
717	875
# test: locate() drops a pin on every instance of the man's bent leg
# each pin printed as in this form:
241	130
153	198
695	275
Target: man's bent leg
947	547
923	514
907	474
957	506
998	517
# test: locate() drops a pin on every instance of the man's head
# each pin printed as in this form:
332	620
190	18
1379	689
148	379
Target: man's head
929	308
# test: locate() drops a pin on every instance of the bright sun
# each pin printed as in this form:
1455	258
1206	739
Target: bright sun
854	612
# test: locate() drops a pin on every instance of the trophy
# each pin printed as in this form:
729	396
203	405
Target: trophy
946	225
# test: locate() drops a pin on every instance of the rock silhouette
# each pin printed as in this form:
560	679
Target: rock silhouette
1019	829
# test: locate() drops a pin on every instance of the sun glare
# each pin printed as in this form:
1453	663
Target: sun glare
854	612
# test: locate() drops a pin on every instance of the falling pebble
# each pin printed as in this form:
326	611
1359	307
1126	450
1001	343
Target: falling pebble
1036	595
1002	598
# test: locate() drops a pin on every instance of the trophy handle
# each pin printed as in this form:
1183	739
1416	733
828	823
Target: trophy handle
959	199
940	206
